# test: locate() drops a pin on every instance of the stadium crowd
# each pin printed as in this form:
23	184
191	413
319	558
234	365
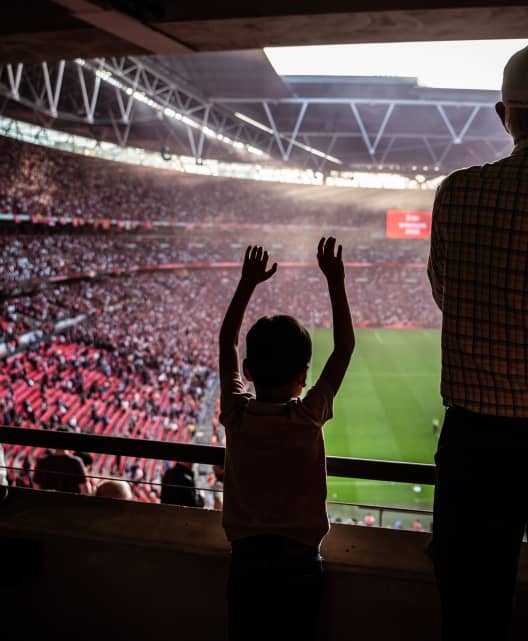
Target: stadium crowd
31	258
142	358
36	180
134	353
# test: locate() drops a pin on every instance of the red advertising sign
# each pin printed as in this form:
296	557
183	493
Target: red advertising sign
408	224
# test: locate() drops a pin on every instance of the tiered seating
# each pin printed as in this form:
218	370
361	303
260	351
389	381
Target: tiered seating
103	405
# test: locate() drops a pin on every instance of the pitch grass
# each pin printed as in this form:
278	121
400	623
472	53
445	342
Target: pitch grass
384	410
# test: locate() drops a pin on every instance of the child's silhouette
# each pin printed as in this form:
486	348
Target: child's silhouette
275	469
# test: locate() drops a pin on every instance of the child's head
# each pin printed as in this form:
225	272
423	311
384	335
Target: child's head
278	352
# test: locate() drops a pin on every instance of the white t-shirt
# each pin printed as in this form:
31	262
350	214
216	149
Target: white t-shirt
275	465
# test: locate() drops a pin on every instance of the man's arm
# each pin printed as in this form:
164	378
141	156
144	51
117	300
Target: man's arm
435	264
253	272
344	340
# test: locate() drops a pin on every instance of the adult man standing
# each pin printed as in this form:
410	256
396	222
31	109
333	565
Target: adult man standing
478	268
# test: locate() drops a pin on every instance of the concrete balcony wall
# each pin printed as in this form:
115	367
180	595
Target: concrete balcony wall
81	568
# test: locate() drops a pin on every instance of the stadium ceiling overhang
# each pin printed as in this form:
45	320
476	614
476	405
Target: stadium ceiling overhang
233	105
37	30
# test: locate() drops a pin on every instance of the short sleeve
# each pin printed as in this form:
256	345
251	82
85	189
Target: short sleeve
233	396
318	403
436	262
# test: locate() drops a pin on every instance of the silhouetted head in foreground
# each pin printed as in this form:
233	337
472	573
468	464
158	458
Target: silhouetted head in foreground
278	353
513	108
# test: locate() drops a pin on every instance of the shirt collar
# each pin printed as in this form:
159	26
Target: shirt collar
267	409
521	146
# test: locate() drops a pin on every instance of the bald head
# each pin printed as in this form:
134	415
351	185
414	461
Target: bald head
513	108
515	81
114	489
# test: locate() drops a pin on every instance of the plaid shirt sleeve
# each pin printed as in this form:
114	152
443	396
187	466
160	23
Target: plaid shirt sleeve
436	263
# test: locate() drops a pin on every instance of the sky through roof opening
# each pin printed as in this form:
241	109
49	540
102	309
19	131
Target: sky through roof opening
466	64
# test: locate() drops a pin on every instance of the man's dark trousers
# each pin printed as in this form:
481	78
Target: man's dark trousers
480	515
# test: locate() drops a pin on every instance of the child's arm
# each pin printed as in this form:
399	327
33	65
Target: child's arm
344	341
253	272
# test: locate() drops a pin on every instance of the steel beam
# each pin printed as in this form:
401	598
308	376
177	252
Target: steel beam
298	123
276	134
371	147
14	79
397	102
53	93
89	103
42	87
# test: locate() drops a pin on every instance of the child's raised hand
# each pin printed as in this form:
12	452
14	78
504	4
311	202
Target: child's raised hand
254	268
331	266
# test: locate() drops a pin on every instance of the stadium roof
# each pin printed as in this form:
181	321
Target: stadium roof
219	105
233	105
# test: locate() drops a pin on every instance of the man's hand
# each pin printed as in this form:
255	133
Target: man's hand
331	266
254	268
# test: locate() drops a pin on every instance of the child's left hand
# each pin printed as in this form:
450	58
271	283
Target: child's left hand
254	268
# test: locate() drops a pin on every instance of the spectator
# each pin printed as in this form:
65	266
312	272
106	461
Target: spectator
218	487
61	471
417	525
3	468
477	267
114	489
177	486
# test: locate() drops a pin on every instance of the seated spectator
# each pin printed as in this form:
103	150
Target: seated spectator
177	486
114	489
61	471
218	487
417	525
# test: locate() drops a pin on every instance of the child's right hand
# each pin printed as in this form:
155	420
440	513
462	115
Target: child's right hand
254	268
331	266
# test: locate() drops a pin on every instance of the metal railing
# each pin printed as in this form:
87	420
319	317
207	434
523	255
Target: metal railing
370	469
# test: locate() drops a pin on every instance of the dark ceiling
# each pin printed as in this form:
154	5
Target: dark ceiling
36	30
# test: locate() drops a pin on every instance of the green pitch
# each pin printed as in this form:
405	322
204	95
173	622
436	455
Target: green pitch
384	410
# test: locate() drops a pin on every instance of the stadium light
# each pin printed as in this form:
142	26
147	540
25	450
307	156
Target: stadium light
140	96
255	123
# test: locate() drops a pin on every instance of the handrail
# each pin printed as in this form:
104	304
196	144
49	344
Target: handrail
371	469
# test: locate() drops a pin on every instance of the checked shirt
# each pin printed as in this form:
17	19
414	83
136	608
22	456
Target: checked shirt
478	269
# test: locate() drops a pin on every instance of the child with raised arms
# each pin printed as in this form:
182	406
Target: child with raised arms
275	468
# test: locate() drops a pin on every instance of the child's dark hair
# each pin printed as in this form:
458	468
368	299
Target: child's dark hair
278	348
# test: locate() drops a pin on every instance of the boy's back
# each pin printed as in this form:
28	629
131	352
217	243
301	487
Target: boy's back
275	467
